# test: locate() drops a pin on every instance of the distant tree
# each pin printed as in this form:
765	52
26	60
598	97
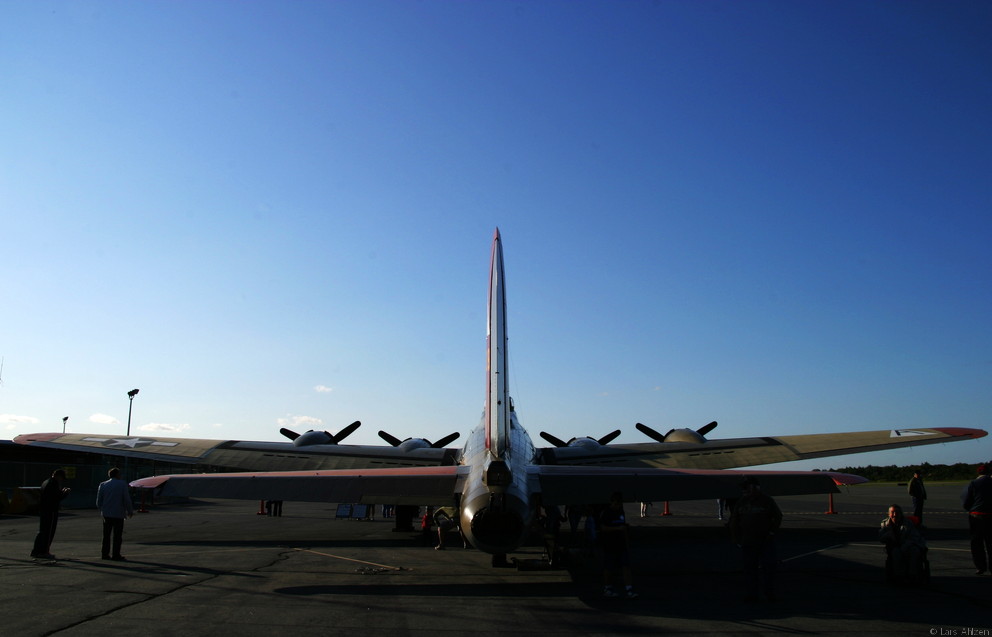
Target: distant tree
931	472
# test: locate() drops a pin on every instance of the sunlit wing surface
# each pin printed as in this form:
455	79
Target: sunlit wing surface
748	452
371	486
245	455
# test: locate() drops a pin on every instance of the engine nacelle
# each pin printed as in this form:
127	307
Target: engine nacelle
313	438
413	443
586	442
684	435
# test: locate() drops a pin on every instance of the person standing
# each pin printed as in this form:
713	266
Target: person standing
978	504
616	553
114	501
52	494
426	522
753	522
918	492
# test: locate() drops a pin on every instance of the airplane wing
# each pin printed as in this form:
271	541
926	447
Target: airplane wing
747	452
244	455
438	485
417	485
591	485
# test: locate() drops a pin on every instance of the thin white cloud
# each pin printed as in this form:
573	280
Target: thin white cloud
164	427
300	422
13	420
323	389
104	419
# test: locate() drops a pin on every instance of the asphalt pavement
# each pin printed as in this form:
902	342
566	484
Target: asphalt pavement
217	567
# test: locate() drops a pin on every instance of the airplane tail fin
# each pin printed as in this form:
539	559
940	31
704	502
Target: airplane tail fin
497	400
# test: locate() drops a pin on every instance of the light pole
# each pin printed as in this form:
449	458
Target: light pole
130	397
64	419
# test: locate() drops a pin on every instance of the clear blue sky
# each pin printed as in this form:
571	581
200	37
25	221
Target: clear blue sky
776	215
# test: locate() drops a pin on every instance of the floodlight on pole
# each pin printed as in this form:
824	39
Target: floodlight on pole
130	397
64	419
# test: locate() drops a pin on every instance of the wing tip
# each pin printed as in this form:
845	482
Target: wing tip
26	439
846	479
150	483
962	432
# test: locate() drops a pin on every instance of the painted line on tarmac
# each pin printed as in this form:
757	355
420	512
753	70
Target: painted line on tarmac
350	559
882	512
829	548
932	548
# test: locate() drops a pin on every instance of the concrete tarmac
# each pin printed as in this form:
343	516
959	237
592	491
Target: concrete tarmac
216	567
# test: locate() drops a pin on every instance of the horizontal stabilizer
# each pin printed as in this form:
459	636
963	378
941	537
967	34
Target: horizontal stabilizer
416	485
592	485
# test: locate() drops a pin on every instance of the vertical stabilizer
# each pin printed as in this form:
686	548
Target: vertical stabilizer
497	400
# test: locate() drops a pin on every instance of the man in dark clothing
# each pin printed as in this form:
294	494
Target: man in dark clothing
978	502
52	494
613	540
905	547
919	494
753	523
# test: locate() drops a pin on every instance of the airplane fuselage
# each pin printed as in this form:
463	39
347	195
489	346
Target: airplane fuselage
495	504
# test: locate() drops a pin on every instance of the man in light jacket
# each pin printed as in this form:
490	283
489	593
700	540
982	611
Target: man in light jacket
114	501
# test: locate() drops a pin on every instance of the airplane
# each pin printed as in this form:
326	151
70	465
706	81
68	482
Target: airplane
499	480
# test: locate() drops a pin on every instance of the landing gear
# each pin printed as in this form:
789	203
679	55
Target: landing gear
499	560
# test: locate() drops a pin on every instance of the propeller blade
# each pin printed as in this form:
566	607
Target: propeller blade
650	433
608	438
558	442
292	435
344	433
393	440
705	429
444	441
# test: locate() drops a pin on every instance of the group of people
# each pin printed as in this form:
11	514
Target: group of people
113	498
754	520
902	534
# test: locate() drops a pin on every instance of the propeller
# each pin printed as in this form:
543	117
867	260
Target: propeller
558	442
443	442
350	429
391	439
705	429
320	437
418	443
681	435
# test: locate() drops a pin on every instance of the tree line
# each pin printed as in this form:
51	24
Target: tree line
931	472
